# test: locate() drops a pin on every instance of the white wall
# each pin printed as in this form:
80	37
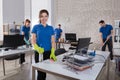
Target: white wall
27	9
36	6
1	21
13	10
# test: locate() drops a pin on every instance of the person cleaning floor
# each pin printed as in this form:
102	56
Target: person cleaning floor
106	33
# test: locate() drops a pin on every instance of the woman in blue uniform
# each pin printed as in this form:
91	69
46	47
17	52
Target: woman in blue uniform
43	41
25	30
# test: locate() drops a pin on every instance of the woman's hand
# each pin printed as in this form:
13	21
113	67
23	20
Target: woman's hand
52	55
38	49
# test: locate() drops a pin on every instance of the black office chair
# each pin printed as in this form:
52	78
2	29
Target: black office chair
12	57
73	45
60	51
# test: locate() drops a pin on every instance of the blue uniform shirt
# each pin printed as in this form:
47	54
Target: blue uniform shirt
43	36
106	31
58	32
26	31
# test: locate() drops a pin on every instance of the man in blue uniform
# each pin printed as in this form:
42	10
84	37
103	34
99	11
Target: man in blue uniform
58	34
106	33
25	30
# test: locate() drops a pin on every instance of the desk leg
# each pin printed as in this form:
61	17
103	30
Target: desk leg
33	73
56	46
31	58
3	66
59	45
108	68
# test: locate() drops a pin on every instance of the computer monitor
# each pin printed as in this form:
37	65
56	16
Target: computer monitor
83	43
70	37
13	41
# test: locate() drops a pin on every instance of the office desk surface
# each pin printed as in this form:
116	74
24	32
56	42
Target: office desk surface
57	68
12	52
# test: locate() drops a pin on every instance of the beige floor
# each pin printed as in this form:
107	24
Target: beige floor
15	72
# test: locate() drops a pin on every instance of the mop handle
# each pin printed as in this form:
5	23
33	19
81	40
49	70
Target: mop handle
104	43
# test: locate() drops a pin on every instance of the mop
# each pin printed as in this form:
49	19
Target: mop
103	44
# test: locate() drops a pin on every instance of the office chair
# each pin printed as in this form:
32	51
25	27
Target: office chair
60	51
11	58
73	45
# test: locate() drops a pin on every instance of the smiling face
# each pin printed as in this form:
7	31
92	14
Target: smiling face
43	18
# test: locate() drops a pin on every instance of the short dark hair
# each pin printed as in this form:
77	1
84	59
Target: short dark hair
101	21
59	24
27	20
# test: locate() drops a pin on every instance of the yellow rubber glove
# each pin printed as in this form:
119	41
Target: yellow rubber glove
38	49
52	55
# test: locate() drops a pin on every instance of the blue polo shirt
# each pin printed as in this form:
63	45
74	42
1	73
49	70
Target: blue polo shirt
58	32
43	36
106	31
26	31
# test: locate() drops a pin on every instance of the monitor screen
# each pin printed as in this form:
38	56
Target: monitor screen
83	43
70	37
13	41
